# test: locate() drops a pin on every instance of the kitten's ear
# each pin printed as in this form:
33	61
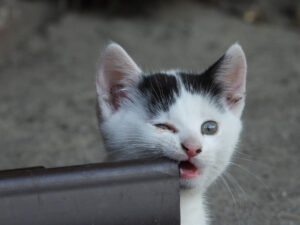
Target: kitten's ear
117	72
231	75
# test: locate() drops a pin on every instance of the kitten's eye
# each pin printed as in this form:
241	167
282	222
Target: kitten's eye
209	127
166	126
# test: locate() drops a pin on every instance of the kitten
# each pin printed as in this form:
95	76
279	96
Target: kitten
191	118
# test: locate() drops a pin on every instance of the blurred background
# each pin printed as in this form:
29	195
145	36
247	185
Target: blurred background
48	56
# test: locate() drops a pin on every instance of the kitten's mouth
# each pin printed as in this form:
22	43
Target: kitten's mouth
188	170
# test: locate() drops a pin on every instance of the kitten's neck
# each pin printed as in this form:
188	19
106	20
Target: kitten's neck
192	207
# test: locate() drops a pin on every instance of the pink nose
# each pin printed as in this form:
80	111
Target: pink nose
191	150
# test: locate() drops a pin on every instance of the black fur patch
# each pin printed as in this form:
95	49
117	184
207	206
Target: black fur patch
205	82
160	90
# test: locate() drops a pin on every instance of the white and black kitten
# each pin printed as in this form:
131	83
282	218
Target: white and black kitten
191	118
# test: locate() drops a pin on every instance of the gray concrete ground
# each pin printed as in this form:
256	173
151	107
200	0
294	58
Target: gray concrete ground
47	98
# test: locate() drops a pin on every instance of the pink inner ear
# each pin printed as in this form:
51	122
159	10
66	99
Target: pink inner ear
234	92
117	82
234	80
117	71
231	99
116	93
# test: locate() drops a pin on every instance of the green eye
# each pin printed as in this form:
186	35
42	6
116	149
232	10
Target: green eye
209	127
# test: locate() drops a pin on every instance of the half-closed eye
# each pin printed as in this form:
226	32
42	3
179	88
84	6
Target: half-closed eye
166	126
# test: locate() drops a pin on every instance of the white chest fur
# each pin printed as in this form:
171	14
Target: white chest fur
192	208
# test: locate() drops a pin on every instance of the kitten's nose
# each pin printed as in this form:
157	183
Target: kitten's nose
191	150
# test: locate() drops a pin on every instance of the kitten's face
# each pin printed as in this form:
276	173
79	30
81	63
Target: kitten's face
191	118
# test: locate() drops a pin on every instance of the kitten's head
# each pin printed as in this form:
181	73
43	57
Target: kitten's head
191	118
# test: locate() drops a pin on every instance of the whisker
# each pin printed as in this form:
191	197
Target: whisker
230	177
229	189
249	160
232	195
255	176
243	153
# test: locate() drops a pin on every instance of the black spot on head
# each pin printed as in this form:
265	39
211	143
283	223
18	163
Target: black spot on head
205	82
160	91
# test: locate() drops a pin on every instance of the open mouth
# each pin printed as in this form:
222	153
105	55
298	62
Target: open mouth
188	170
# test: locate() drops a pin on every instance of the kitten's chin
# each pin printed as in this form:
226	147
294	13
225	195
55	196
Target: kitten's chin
190	175
189	183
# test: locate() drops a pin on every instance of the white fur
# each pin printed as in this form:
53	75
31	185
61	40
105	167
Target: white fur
192	208
130	134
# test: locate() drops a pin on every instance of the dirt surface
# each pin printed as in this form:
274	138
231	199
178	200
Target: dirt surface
47	98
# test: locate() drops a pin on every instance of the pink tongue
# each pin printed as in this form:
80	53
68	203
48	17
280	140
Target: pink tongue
187	170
